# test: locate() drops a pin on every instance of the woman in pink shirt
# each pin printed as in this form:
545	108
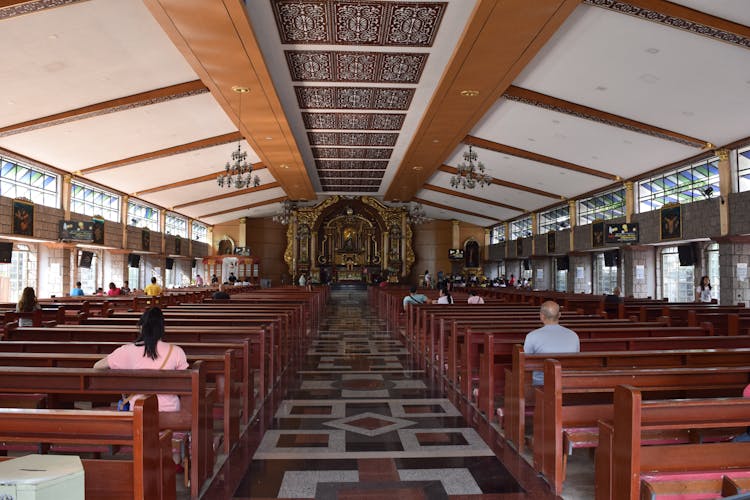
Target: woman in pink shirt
149	352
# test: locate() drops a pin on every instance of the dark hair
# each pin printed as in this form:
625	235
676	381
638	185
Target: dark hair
78	284
112	286
153	280
703	278
445	292
27	302
151	325
413	289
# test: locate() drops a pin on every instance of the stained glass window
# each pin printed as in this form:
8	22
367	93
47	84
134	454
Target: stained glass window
200	232
686	184
143	216
602	206
176	225
89	200
22	181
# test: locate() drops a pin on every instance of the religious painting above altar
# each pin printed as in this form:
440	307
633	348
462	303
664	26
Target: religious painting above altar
350	239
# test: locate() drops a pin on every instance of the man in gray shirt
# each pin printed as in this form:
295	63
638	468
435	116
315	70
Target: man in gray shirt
551	338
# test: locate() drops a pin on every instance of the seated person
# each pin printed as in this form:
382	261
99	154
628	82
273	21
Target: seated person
113	290
221	294
474	298
444	298
26	304
99	292
125	288
77	291
614	297
414	297
551	338
232	278
152	289
149	352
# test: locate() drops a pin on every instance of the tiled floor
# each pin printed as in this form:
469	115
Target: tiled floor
358	421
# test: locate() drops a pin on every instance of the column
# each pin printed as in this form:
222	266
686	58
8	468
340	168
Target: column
456	234
242	241
190	237
573	219
534	230
66	195
629	201
210	239
507	237
487	242
725	186
163	229
124	220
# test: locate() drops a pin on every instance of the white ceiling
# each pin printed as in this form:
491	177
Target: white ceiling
94	51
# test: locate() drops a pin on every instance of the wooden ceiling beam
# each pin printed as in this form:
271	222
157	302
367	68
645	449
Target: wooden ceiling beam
247	207
532	98
454	209
528	155
512	185
162	153
120	104
460	194
217	40
231	194
510	34
194	180
673	10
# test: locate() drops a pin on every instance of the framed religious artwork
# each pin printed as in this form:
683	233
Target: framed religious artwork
670	222
145	239
551	242
97	231
178	245
23	217
519	247
597	233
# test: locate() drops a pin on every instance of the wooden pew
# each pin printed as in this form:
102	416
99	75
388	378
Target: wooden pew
222	369
624	456
240	352
91	384
148	474
554	412
519	383
264	357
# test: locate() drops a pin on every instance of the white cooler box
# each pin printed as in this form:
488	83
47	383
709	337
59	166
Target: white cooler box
42	477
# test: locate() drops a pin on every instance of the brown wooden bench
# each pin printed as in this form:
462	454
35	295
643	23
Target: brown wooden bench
108	385
624	456
148	474
573	401
519	377
221	369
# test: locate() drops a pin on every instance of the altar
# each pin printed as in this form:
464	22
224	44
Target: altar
347	275
350	239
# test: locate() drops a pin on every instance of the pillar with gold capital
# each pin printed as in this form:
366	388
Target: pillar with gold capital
725	188
506	225
629	201
124	219
534	229
573	218
163	229
66	195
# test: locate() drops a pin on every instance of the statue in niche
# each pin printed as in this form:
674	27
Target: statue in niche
349	234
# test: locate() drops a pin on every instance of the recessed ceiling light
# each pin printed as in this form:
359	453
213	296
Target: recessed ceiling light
469	93
627	141
531	139
416	168
555	121
506	157
594	157
688	113
240	89
648	78
435	141
652	50
268	138
284	165
601	88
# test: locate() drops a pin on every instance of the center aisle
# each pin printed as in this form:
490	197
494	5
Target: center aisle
358	421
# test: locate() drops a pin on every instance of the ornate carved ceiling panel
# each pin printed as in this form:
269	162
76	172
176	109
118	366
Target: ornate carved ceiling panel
351	164
378	27
370	67
346	153
358	23
377	98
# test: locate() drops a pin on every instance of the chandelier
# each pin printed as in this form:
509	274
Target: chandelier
287	211
415	214
238	173
470	173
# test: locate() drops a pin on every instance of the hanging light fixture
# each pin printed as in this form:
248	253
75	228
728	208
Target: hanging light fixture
415	214
470	173
287	211
238	173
